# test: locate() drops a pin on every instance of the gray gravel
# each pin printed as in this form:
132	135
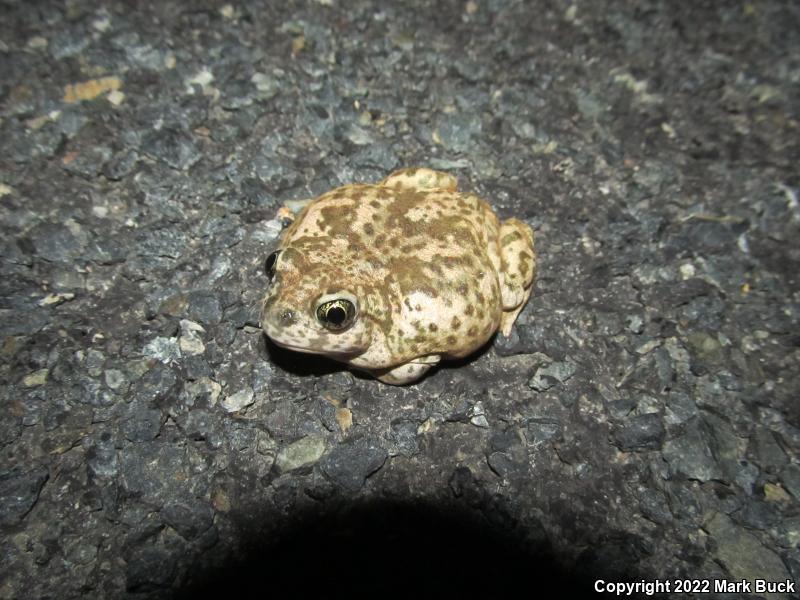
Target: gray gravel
642	421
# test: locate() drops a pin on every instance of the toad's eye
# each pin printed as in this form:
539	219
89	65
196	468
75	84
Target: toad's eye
336	315
269	265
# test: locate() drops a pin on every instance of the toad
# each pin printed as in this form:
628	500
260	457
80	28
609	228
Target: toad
393	277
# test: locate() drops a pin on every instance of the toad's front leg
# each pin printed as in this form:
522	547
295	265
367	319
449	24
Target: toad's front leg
408	372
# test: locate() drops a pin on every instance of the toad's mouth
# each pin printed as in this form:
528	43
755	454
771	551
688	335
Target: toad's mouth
341	355
295	347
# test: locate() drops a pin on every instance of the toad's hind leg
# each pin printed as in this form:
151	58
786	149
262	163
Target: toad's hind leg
518	271
420	179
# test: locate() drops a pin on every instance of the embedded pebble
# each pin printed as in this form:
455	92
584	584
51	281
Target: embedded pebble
551	375
305	451
164	349
689	454
189	516
404	437
477	416
349	464
190	339
644	432
238	401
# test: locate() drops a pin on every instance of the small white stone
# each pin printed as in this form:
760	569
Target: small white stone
187	325
37	42
203	78
190	341
116	97
303	452
162	348
56	299
478	419
687	270
202	388
101	23
741	242
268	231
648	347
36	378
239	400
262	82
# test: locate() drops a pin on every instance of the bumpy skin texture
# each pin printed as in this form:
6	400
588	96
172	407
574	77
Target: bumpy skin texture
429	272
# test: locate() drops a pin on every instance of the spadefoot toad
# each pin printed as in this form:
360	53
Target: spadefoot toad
393	277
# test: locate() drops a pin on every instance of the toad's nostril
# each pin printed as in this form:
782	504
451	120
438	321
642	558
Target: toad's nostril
288	317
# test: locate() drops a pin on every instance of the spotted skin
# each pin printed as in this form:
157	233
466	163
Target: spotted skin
431	272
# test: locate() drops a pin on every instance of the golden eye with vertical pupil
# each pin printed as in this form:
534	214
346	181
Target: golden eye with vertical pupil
336	315
269	265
